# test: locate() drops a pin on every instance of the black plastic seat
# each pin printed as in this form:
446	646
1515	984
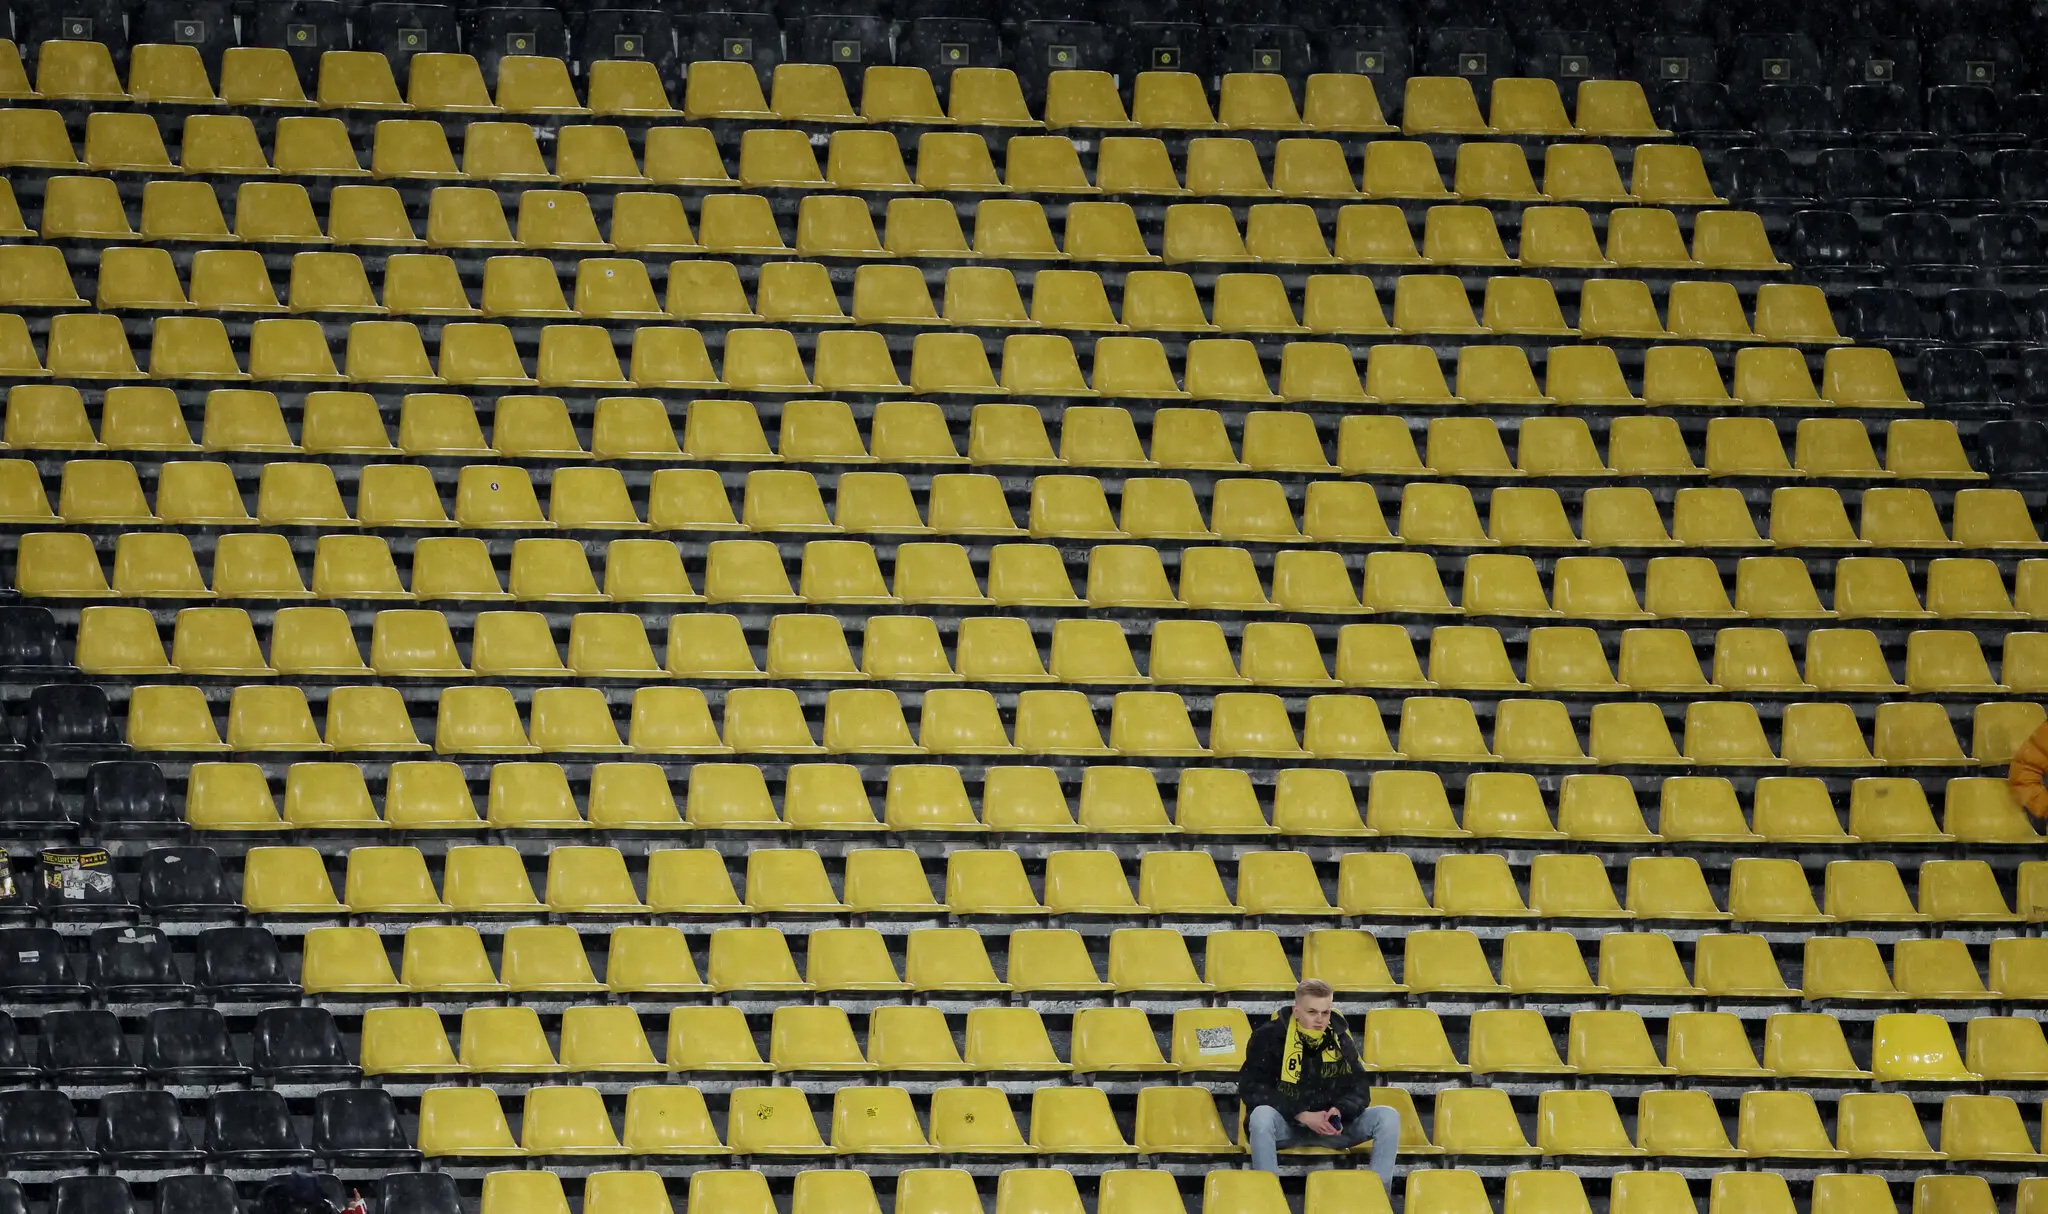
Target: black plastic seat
1285	49
1886	62
851	42
1884	316
186	882
300	1045
1982	316
1763	176
1698	109
732	35
1883	110
2022	175
1920	239
1043	46
1942	175
1758	60
37	1130
208	25
1954	377
1855	175
1162	46
29	805
32	966
1674	58
417	1193
11	1199
2024	112
307	29
1568	56
492	33
2013	448
399	30
940	45
2031	379
30	639
252	1128
1995	63
1382	53
15	1066
73	21
135	963
65	716
142	1129
629	33
80	884
92	1195
1796	111
86	1046
358	1127
1966	112
194	1193
129	796
241	963
1481	54
2006	240
1817	240
190	1045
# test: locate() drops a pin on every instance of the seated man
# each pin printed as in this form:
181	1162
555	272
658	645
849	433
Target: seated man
1303	1085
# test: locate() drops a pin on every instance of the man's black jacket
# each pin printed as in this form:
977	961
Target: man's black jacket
1258	1081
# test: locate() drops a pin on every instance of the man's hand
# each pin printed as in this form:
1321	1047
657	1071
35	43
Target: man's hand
1321	1123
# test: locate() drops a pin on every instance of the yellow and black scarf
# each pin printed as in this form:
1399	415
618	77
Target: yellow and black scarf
1315	1060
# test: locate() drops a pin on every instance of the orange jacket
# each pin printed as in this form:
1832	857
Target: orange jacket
2025	776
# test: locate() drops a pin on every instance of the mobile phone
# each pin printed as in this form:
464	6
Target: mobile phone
1336	1123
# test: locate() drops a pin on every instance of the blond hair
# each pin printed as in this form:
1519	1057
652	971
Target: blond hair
1313	988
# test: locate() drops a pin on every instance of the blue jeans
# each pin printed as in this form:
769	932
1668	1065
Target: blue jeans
1269	1130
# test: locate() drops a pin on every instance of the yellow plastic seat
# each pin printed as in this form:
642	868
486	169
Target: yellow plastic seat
1494	171
1459	235
975	1120
1469	1121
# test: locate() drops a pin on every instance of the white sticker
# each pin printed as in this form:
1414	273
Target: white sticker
1215	1041
32	955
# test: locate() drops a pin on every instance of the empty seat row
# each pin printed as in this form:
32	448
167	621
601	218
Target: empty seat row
145	279
1306	802
55	417
132	797
248	565
245	1129
177	1045
127	640
502	498
837	225
897	648
95	347
805	92
513	1041
784	881
463	1122
832	225
577	720
644	959
859	361
228	145
841	1191
772	720
1428	1190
